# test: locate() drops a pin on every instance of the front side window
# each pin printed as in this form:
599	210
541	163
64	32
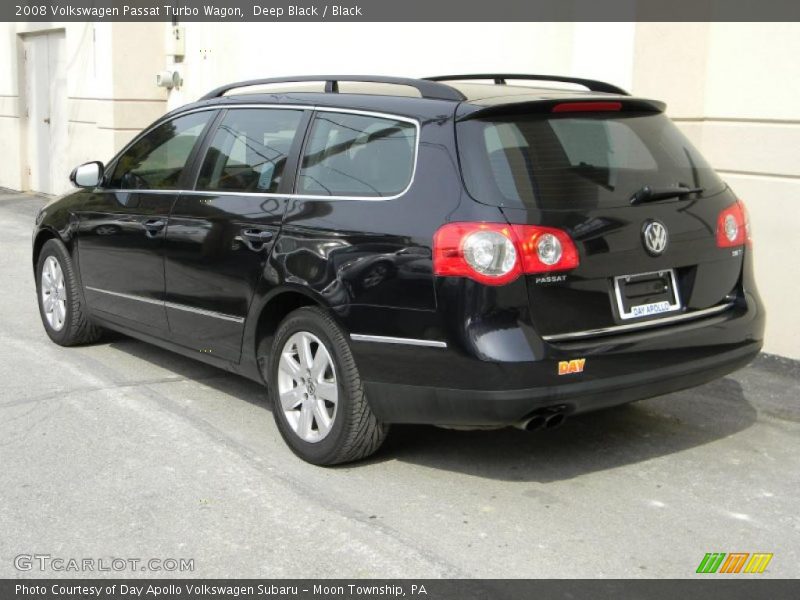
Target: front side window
156	161
249	150
357	155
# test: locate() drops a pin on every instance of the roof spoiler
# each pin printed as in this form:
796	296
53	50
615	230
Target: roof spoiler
501	78
584	105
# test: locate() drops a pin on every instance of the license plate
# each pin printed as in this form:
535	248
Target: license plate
646	294
654	308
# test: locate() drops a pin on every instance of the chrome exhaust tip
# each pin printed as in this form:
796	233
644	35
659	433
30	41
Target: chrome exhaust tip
555	421
533	423
545	418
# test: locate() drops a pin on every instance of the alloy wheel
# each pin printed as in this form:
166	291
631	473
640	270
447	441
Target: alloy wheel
54	293
307	386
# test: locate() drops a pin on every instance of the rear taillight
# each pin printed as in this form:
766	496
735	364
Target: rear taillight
545	249
485	252
497	254
733	226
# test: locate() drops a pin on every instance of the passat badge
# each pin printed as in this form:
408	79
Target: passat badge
567	367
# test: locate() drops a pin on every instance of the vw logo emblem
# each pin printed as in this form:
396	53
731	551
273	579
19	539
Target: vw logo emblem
654	235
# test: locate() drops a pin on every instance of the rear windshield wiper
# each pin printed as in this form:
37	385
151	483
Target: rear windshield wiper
650	194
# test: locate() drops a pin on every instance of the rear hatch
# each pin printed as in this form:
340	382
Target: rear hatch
578	169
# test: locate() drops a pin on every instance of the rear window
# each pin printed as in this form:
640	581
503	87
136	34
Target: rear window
573	161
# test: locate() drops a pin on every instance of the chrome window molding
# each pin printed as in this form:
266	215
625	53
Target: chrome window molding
310	107
204	312
174	305
697	314
385	339
123	295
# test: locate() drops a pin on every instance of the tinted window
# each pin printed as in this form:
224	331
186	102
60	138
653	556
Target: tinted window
569	162
249	149
156	161
357	155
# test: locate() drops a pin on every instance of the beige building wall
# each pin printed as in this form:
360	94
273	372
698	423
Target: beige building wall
733	88
110	93
10	165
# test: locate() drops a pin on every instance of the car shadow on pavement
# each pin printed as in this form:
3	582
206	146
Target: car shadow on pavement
587	443
584	444
184	367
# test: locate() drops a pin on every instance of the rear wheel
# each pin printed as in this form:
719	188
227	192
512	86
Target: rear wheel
60	300
317	395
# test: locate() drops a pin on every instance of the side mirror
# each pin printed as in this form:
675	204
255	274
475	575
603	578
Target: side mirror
88	175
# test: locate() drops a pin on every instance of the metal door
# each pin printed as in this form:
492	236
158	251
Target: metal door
46	99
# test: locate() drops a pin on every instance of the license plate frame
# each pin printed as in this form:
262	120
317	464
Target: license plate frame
648	309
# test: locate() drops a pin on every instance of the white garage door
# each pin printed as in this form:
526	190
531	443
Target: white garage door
46	98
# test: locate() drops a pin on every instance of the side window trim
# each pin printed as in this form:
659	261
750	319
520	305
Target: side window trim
296	153
292	169
193	163
202	148
301	151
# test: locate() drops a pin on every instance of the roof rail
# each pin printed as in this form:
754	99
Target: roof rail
500	79
427	88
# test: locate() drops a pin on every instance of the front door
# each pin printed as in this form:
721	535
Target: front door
121	229
220	235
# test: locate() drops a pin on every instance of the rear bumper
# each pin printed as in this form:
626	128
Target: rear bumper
401	403
450	386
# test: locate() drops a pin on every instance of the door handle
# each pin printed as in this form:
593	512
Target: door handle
259	236
47	120
153	226
255	239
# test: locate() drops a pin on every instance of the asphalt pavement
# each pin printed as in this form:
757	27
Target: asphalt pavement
123	450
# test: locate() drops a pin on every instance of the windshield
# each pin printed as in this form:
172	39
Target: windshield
563	162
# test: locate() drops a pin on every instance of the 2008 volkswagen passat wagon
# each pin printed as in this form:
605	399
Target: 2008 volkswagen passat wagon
475	254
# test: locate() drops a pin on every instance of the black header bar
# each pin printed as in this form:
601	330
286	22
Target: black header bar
708	588
399	10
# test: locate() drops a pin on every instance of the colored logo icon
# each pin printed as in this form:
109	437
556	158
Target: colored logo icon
734	562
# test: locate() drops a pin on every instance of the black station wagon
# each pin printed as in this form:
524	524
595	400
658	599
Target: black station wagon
454	251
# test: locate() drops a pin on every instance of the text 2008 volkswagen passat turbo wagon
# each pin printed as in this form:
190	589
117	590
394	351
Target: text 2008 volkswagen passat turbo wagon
476	254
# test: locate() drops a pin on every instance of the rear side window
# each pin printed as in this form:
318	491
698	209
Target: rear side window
357	155
156	161
577	162
249	149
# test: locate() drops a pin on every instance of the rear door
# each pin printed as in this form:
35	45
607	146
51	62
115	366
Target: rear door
121	226
222	231
579	171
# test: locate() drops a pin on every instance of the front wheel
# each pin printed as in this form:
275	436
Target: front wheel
317	395
60	300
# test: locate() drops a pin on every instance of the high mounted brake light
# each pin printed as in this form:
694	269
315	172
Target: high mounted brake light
497	254
570	107
733	226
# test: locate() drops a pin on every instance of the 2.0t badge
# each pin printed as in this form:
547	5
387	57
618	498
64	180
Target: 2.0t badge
654	236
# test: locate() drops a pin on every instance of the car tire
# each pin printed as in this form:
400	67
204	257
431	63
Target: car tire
317	394
61	304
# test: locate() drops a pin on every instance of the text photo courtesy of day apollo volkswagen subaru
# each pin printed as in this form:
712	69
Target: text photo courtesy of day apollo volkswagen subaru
456	251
